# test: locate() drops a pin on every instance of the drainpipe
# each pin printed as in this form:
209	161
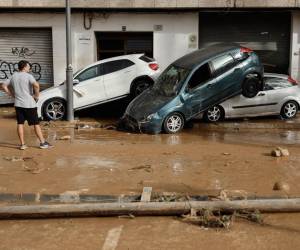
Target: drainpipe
69	69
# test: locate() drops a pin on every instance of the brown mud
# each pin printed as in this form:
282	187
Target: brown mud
100	161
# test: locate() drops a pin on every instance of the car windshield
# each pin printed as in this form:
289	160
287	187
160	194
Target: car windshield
170	81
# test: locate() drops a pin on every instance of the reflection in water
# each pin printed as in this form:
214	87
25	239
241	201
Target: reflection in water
177	168
261	137
85	161
174	140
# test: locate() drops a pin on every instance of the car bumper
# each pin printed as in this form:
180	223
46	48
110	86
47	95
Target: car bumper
149	127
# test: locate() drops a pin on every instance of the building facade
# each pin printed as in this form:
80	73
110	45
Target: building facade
165	30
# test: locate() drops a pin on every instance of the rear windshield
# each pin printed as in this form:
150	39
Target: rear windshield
146	59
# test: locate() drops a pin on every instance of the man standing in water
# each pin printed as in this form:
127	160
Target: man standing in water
26	92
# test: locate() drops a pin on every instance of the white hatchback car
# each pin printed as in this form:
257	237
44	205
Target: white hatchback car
104	81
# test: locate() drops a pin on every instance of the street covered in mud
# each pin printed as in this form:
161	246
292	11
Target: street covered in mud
90	158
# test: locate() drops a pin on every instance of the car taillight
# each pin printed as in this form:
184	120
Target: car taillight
246	50
292	81
153	66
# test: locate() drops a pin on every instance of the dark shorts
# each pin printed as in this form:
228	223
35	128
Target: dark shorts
27	114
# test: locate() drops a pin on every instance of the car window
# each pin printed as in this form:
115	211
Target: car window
89	73
171	80
113	66
222	63
200	76
276	83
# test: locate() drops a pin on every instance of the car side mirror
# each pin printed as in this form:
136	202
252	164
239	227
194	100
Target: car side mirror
75	81
188	90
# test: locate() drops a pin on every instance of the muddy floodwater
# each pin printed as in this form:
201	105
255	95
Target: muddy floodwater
200	160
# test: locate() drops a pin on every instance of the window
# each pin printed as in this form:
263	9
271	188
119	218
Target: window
201	75
89	73
276	83
222	63
114	66
171	80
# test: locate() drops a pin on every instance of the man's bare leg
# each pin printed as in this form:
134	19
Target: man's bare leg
20	129
39	134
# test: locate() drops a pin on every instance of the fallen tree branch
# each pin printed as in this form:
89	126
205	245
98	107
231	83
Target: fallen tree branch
146	208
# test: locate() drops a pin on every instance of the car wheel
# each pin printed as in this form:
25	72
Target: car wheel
54	109
214	114
250	87
173	123
140	86
289	110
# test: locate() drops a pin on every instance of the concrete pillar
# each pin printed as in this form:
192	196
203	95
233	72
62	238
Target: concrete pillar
295	46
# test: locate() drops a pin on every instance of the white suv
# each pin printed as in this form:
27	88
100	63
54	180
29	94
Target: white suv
101	82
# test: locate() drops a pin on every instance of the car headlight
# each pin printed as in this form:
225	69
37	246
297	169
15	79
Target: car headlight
150	117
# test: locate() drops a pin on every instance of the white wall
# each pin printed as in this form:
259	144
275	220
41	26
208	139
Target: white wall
295	46
169	44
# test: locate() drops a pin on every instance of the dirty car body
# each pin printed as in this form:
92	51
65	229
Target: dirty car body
191	85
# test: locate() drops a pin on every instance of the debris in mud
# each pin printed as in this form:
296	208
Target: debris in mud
82	126
88	126
110	127
225	153
129	216
280	152
14	158
209	219
33	170
169	197
254	216
64	138
146	168
226	195
281	186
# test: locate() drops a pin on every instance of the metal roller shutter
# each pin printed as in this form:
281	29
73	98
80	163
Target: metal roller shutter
31	44
268	33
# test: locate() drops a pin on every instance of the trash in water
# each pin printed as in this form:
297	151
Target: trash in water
281	186
146	168
280	152
14	158
65	137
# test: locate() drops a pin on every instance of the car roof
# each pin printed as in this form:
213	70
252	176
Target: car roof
193	59
130	56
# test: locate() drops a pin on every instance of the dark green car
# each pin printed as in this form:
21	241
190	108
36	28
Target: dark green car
192	84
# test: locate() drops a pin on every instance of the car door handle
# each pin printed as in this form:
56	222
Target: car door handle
237	69
261	94
210	85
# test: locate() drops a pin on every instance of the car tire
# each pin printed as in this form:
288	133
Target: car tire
289	110
250	87
173	123
214	114
140	86
54	109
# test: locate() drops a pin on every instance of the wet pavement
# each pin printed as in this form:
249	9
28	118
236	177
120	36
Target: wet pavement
109	162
